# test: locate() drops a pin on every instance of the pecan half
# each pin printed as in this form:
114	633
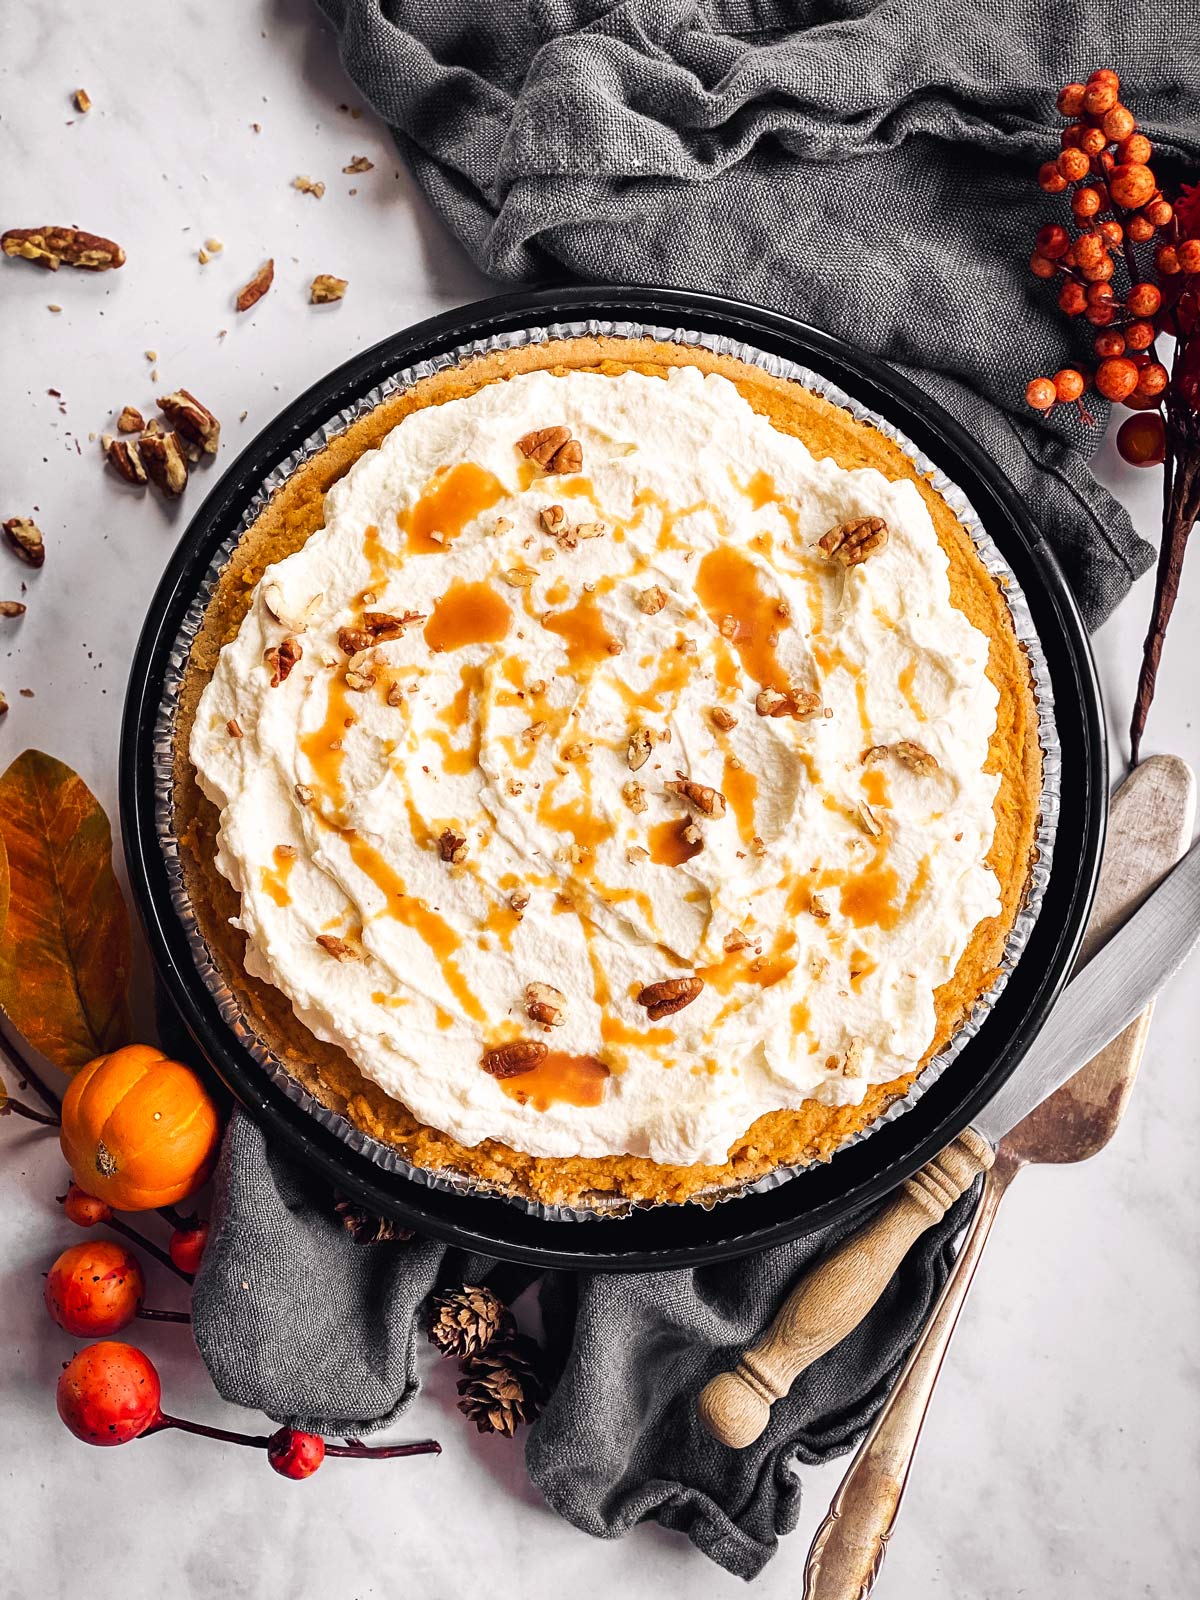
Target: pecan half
124	458
651	601
281	658
337	948
452	847
52	248
193	421
325	289
510	1060
852	542
710	802
25	538
671	995
131	420
251	293
799	704
553	449
545	1004
637	751
164	461
909	754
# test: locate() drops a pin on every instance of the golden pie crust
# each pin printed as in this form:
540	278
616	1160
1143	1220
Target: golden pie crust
780	1138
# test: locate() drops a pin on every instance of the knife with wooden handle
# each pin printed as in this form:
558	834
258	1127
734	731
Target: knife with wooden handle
1099	1003
1150	823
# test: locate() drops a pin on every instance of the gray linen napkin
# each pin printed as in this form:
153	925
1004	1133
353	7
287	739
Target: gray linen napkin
293	1317
867	167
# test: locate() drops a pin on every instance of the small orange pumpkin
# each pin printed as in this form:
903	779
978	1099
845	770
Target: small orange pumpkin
138	1129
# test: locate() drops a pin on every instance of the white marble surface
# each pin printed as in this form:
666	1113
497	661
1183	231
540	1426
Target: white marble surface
1060	1456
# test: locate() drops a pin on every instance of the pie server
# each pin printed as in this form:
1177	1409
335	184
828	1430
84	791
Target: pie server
833	1299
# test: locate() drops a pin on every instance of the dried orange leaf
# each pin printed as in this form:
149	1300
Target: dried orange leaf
4	885
64	951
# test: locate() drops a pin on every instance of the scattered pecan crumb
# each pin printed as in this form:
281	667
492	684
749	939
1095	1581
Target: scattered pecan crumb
253	291
533	732
852	542
652	600
359	164
910	754
304	794
325	289
11	608
281	658
545	1004
711	802
213	246
728	627
634	795
670	995
817	907
519	900
82	101
452	847
309	186
635	854
53	308
574	751
510	1060
590	530
193	422
867	820
851	1060
124	458
736	940
799	704
637	752
131	420
725	720
553	449
233	728
25	538
337	948
692	834
395	693
164	460
52	247
519	577
360	675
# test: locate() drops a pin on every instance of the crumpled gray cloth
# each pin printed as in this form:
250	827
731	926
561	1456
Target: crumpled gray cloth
295	1318
866	165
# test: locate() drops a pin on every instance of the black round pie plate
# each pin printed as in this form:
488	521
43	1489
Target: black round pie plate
664	1236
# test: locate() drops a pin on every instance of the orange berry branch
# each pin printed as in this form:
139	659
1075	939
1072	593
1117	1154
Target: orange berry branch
1117	209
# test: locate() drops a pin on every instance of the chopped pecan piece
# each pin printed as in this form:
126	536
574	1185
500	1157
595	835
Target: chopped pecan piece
25	538
652	600
395	694
164	461
82	101
452	847
11	608
51	247
635	854
692	835
325	289
310	186
711	802
634	795
295	618
910	754
131	420
353	641
191	420
867	820
552	519
637	752
817	907
553	449
852	542
124	457
736	940
725	720
671	995
385	625
590	530
360	675
546	1004
799	704
337	948
251	293
233	728
519	900
359	164
3	705
510	1060
281	658
304	794
519	577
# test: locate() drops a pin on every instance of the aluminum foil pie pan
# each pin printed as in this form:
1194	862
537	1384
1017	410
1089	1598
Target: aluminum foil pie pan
162	747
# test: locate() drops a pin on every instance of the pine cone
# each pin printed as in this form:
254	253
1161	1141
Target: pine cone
366	1228
467	1321
501	1389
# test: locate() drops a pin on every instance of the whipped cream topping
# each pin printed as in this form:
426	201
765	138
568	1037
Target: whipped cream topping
429	813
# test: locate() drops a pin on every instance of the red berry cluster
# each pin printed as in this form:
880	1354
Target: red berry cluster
1115	204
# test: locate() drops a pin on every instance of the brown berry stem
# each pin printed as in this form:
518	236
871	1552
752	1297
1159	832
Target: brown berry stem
150	1315
356	1450
20	1109
159	1255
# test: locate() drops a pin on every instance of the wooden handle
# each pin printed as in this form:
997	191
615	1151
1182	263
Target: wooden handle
848	1548
833	1299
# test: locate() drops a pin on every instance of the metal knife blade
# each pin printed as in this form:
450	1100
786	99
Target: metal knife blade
1105	997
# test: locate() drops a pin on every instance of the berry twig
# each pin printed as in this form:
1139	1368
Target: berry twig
355	1450
18	1108
14	1056
87	1211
